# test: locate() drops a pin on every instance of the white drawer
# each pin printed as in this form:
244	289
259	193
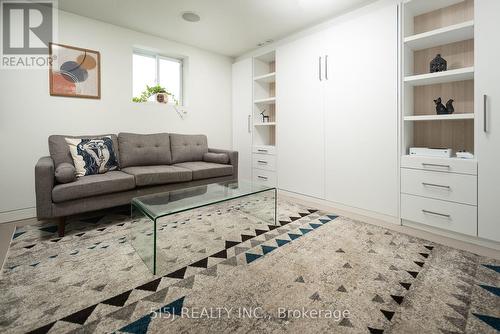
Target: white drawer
264	177
450	216
450	165
264	161
453	187
264	149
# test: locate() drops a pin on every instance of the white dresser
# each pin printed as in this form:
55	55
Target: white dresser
440	192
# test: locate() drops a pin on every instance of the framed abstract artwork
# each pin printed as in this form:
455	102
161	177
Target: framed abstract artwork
74	72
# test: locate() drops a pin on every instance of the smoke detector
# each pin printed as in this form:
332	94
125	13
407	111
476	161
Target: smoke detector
269	41
190	17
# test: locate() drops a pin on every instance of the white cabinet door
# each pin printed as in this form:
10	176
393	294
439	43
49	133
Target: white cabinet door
300	135
361	112
242	116
487	74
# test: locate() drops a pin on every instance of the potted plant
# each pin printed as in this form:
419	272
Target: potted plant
160	94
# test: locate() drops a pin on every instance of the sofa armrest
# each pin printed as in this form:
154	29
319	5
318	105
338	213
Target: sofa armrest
44	182
233	159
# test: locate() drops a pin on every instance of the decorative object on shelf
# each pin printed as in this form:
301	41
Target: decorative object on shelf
265	119
161	95
431	152
74	72
449	106
465	155
438	64
440	108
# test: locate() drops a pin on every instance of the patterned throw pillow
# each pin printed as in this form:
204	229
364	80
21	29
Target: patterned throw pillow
92	155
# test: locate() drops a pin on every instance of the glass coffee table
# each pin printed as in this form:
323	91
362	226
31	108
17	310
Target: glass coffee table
151	215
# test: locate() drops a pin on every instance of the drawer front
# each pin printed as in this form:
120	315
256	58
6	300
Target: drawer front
264	161
453	187
454	217
262	149
264	177
450	165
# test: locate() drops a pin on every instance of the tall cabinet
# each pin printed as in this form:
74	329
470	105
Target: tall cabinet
487	98
300	131
338	127
242	116
361	111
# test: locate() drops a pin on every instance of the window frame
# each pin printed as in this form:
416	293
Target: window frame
157	57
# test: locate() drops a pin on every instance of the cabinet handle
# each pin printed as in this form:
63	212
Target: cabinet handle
435	185
261	150
436	214
326	67
435	165
248	123
485	112
262	177
319	70
262	162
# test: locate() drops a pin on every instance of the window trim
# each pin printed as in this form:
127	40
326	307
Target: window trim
157	58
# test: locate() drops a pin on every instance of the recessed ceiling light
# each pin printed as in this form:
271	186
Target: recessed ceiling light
190	16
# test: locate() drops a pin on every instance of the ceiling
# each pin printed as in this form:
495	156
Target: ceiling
228	27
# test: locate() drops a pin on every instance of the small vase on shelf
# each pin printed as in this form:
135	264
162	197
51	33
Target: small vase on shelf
438	64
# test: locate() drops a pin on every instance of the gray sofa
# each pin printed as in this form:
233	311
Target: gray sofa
148	164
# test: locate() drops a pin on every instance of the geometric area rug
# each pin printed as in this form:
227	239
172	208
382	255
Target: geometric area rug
314	272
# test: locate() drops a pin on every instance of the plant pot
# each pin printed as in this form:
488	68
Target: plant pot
162	98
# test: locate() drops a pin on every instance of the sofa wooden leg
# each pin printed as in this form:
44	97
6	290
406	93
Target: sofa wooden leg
61	222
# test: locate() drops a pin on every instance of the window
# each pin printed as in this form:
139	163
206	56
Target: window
151	70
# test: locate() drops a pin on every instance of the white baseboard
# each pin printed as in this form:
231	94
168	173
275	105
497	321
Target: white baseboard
341	209
10	216
468	243
453	235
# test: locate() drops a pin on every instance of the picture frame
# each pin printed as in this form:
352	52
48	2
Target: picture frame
74	72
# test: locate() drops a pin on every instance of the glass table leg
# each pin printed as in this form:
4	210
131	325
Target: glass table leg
143	237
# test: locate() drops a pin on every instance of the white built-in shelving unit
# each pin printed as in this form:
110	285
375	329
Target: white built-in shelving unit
264	133
440	192
432	27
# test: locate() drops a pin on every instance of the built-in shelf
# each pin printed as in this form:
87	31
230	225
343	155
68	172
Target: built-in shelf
418	7
269	100
265	124
451	34
460	74
417	118
266	78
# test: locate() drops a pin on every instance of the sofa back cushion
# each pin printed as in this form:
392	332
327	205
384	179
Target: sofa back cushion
59	148
188	147
144	150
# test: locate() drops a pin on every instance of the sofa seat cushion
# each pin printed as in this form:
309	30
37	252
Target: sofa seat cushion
152	175
206	170
92	185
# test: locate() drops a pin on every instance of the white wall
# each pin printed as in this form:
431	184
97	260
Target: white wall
28	114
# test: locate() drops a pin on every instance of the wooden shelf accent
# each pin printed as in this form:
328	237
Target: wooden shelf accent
460	74
266	78
451	34
269	100
418	7
439	117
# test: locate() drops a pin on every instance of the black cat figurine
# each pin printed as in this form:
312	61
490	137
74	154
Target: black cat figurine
440	108
449	106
